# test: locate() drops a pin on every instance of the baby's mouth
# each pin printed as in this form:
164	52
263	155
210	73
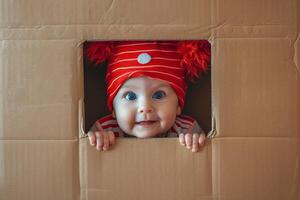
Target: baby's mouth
145	123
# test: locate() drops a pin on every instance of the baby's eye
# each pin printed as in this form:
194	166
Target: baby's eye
159	95
130	96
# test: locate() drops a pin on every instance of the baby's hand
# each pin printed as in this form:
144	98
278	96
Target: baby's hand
194	141
101	139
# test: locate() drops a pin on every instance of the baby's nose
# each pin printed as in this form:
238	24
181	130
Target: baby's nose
145	109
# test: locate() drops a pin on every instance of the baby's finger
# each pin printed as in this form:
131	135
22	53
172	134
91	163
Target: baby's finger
99	136
195	142
202	140
92	138
181	139
111	138
188	140
105	141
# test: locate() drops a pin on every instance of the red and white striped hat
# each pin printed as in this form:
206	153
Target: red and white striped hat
171	61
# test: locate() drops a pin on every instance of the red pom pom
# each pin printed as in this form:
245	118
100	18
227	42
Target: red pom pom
98	52
195	57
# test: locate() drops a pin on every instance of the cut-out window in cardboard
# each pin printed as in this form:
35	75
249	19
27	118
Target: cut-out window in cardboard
197	101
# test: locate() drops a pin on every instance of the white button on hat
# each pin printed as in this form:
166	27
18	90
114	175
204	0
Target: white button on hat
144	58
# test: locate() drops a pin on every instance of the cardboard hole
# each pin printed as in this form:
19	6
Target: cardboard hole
197	102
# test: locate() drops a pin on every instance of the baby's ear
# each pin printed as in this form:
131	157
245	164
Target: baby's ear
178	110
113	114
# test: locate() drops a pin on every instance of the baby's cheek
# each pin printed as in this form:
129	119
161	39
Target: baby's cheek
126	120
168	120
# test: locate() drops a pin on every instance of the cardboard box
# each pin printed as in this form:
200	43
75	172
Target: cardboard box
255	151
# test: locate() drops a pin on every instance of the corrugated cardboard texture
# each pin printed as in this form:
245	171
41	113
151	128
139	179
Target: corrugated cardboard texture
34	13
145	169
256	168
39	87
258	91
256	18
106	19
255	100
39	170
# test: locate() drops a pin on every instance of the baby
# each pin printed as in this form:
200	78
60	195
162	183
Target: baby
146	86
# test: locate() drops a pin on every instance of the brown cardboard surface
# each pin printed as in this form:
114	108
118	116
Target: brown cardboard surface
145	169
255	101
256	88
233	18
256	18
105	19
40	87
296	51
36	169
36	13
256	168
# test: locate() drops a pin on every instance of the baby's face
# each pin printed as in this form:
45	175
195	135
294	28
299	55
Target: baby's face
146	107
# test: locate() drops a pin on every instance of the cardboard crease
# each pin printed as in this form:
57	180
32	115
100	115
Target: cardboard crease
254	152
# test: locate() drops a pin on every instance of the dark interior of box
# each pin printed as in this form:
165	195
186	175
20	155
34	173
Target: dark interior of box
197	102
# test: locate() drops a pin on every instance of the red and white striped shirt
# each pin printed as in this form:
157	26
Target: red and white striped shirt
183	124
